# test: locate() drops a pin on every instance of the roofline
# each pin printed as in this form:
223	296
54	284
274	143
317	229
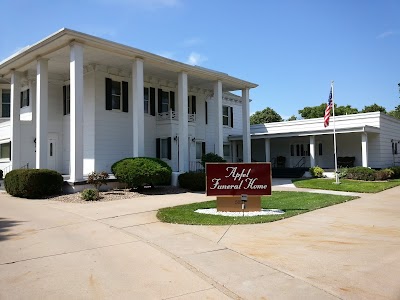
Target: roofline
121	49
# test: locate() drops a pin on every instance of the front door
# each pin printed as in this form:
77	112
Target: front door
52	152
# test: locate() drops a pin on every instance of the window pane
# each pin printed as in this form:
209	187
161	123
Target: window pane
225	110
5	97
116	88
146	100
164	148
5	150
227	150
116	102
165	102
198	150
5	110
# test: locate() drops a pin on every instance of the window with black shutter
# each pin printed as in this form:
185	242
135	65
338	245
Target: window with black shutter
117	95
66	99
24	98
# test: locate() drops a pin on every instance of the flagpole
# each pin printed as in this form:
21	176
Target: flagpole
334	135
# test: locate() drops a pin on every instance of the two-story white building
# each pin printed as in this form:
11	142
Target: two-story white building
76	103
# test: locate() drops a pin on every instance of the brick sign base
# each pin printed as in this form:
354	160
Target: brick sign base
234	203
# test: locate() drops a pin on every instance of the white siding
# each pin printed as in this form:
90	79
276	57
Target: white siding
89	123
390	129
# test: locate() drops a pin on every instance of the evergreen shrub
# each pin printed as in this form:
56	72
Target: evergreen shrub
137	172
33	183
194	181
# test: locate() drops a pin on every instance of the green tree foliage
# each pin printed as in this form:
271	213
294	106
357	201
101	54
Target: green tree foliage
372	108
266	115
395	113
310	112
292	118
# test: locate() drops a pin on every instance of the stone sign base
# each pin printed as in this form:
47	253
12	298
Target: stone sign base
234	203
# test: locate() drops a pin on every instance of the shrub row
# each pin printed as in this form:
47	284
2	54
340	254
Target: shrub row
33	183
367	174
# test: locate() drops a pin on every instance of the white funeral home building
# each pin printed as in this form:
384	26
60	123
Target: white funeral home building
76	103
364	139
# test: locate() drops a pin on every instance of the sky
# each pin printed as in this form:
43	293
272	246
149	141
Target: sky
292	49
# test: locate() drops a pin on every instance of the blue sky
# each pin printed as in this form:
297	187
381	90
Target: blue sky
292	49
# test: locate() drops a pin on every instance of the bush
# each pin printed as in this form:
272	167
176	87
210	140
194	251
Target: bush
1	174
90	194
97	179
361	173
211	157
343	172
194	181
383	174
136	172
396	171
317	172
33	183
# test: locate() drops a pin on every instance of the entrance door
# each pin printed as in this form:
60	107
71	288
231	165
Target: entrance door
52	152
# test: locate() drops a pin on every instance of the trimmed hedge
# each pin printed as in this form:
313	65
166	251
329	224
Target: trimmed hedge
367	174
396	171
137	172
33	183
211	157
194	181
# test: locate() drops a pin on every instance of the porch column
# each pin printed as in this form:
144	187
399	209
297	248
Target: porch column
246	126
312	151
138	107
267	143
364	149
234	151
183	122
15	120
42	103
76	112
219	140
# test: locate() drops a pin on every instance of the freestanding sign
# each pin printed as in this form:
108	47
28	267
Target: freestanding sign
230	181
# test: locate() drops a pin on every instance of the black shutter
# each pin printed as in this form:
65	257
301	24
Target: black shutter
22	97
124	96
64	100
158	146
231	109
169	148
172	100
193	104
203	148
189	112
108	94
10	150
159	100
27	97
153	101
206	112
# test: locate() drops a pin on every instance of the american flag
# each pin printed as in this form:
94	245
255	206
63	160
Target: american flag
328	109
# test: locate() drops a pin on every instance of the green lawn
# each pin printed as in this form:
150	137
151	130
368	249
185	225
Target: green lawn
293	203
346	185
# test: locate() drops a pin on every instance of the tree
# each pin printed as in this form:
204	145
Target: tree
310	112
372	108
292	118
395	113
266	115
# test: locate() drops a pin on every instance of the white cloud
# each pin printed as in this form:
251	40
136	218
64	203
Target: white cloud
385	34
192	42
195	59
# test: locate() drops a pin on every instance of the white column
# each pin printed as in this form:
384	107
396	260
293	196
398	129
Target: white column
246	126
234	151
267	143
312	151
76	112
183	122
364	149
15	120
42	103
138	107
219	137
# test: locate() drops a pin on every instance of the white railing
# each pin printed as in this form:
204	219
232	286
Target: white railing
169	115
172	115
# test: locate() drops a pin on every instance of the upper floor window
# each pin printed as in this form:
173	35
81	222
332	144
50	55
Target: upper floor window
67	99
166	101
227	115
191	104
5	103
146	103
25	98
149	99
116	95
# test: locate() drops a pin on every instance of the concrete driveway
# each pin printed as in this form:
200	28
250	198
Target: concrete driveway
120	250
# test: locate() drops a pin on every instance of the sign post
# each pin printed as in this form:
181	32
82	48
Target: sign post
238	186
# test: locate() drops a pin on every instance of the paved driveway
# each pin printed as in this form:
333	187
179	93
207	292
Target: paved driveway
119	250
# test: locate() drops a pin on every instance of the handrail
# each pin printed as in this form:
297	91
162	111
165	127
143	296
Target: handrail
301	162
